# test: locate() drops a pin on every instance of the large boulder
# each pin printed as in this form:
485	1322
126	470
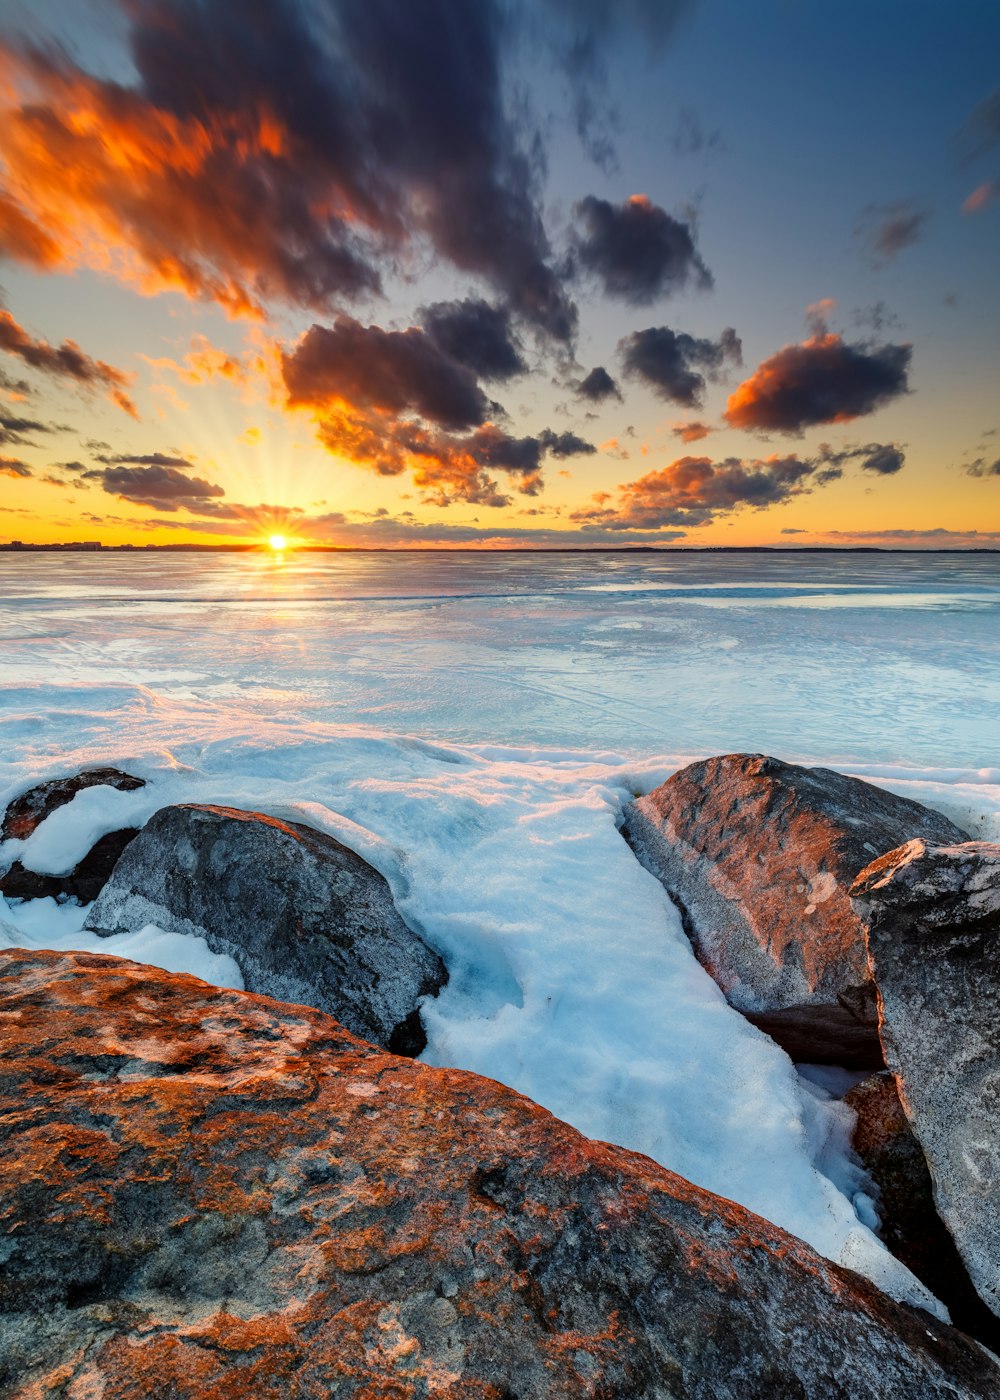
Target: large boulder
27	812
910	1225
931	916
209	1193
304	918
760	855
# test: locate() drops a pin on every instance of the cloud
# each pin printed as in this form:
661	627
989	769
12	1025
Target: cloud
982	468
691	432
395	372
881	459
671	362
154	479
392	401
597	386
692	139
823	380
16	388
283	150
475	334
12	430
693	491
981	132
12	466
636	250
65	361
147	459
565	444
886	229
982	197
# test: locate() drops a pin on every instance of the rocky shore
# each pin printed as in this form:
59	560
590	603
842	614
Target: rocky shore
212	1193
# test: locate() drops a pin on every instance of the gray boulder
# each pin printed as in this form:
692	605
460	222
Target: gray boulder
759	855
305	918
931	916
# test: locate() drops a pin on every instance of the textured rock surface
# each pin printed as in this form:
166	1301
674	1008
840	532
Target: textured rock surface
209	1194
911	1227
28	811
932	922
305	919
760	856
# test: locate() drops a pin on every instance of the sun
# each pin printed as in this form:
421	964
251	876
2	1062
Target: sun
277	543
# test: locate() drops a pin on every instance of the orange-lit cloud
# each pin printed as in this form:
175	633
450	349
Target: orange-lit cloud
692	432
393	401
11	466
823	380
982	197
692	491
65	361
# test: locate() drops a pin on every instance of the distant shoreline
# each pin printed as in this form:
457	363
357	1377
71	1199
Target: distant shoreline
90	548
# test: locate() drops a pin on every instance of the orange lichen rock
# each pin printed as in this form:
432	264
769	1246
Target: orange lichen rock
210	1194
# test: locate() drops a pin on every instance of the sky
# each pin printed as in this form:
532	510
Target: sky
500	273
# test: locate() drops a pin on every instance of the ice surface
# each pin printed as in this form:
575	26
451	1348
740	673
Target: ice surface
473	727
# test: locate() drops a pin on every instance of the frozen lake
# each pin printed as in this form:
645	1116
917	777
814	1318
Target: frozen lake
472	724
886	658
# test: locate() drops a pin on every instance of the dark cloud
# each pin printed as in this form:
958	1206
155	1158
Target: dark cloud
676	365
886	229
395	372
693	491
882	459
983	468
147	459
597	386
981	131
580	35
286	149
65	361
477	335
12	466
20	388
12	430
565	444
823	380
392	401
158	482
636	250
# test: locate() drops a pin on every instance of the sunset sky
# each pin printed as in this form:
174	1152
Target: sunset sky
518	272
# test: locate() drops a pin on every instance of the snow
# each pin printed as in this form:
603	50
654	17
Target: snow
473	727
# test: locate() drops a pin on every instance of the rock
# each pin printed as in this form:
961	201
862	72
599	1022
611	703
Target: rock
206	1193
29	810
911	1227
86	880
823	1035
759	855
305	919
931	916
